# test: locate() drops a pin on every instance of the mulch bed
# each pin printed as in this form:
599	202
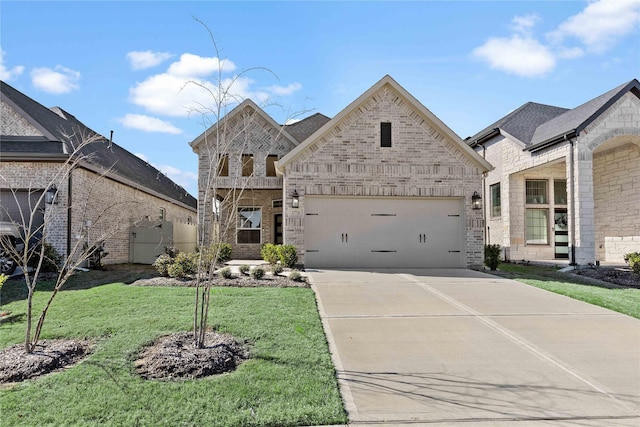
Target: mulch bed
48	356
175	357
622	276
241	281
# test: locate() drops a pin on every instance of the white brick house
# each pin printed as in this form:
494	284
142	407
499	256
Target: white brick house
383	184
566	182
109	191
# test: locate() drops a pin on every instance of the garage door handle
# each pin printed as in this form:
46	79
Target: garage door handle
346	237
423	238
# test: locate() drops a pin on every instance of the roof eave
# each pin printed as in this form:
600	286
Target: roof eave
551	141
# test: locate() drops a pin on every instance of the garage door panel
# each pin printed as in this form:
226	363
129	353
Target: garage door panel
383	232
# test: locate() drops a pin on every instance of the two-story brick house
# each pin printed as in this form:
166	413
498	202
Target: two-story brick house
566	183
385	183
107	192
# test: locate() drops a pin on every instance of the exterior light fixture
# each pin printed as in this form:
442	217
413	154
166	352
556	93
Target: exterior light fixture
51	195
295	200
476	201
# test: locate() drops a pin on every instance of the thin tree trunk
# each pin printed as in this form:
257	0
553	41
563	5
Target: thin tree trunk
28	348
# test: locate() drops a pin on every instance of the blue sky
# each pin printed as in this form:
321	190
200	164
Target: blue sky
120	65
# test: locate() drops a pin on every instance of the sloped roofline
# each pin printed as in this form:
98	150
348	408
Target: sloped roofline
632	86
30	119
237	110
424	111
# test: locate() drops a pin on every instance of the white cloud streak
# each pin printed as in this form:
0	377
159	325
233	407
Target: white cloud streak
517	55
148	124
7	74
141	60
285	91
56	81
185	178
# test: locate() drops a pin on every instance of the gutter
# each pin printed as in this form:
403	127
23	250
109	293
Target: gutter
551	141
572	230
490	134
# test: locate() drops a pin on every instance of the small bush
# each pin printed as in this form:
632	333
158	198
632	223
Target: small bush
492	256
295	276
172	251
269	253
633	259
183	265
257	273
226	273
244	269
277	269
224	252
51	261
288	255
162	264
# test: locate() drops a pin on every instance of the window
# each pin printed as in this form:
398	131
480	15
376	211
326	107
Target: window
163	214
276	203
385	134
495	200
223	165
560	191
249	225
536	221
247	164
536	191
271	165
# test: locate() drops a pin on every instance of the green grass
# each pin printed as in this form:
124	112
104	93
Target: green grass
289	380
622	300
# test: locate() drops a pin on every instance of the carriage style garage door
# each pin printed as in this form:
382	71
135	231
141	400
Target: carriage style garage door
384	232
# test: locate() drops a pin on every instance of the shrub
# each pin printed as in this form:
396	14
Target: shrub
162	264
183	265
244	269
257	273
492	256
172	251
270	253
224	252
633	259
50	262
295	276
277	269
226	273
288	255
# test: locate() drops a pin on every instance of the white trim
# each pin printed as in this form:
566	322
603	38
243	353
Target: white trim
259	228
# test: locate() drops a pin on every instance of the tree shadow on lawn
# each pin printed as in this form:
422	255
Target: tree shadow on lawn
15	288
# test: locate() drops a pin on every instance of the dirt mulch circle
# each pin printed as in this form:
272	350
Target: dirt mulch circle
238	281
48	356
174	357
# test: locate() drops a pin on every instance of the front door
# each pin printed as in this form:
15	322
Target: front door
277	227
561	233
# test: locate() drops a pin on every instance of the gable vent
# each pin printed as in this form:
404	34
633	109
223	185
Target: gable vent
385	134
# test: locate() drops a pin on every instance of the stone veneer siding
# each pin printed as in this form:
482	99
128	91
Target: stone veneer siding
111	206
348	161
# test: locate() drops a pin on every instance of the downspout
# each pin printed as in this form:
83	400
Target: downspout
572	231
69	187
484	195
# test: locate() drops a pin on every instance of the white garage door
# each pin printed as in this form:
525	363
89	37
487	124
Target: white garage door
384	232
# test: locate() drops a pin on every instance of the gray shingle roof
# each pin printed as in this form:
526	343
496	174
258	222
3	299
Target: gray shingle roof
520	123
579	117
67	130
306	127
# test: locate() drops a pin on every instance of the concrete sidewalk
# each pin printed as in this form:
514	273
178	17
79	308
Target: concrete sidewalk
458	347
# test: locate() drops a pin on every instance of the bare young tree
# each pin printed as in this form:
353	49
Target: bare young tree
29	250
222	192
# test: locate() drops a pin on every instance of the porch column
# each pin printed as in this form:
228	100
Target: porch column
581	206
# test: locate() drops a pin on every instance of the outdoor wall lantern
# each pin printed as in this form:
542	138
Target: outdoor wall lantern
475	201
51	195
295	200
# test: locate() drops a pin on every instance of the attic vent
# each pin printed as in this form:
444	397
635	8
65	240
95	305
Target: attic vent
385	134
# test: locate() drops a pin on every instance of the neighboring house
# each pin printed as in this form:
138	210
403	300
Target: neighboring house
566	183
385	183
110	192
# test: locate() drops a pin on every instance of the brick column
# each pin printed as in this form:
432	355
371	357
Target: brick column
583	207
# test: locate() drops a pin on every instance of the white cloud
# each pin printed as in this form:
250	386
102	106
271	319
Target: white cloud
186	179
142	156
190	85
148	124
7	74
525	23
191	66
283	91
518	55
57	81
601	24
146	59
569	52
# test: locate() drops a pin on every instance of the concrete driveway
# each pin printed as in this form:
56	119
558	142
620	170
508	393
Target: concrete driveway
459	347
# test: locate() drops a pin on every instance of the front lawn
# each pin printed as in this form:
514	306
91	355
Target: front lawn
289	380
616	298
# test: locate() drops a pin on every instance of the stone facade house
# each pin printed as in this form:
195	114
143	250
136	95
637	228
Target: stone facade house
566	183
385	183
109	192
